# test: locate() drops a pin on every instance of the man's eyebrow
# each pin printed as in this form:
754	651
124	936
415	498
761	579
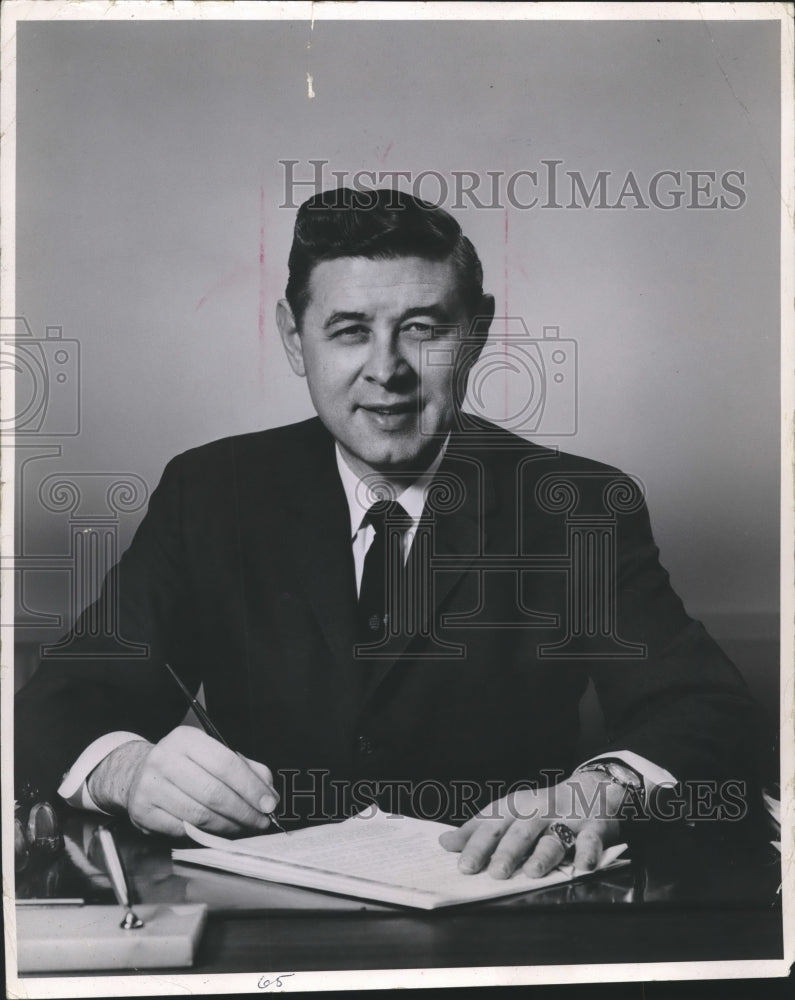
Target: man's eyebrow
345	317
432	310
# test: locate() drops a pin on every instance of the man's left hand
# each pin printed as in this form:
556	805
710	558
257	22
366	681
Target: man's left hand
515	831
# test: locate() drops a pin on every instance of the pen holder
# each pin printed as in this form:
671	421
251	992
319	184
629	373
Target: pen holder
37	832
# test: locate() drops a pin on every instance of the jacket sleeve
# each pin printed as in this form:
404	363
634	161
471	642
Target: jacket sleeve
681	703
107	674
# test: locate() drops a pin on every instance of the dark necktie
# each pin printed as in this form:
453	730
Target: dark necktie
382	573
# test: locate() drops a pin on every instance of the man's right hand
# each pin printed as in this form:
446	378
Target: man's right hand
187	776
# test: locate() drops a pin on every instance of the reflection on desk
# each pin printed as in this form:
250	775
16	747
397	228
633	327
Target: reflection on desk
705	893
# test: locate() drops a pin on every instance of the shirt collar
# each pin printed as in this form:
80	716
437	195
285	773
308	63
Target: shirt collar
360	496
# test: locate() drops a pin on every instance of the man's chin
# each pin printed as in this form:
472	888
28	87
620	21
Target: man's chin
414	458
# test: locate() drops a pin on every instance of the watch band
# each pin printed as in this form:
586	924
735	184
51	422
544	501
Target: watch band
618	773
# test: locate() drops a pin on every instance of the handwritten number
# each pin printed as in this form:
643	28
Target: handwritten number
265	984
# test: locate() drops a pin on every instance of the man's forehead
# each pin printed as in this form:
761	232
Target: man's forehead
349	280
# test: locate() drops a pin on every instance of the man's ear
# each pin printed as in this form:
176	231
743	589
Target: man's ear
291	337
481	323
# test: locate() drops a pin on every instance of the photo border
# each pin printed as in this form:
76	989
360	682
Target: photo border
15	11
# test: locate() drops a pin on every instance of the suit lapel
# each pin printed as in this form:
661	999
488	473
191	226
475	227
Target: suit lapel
322	549
293	512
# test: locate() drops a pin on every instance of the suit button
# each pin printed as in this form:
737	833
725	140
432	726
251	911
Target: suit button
364	745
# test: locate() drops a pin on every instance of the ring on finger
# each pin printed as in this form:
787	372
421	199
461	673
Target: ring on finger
565	837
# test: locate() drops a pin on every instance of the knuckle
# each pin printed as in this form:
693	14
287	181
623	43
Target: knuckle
263	772
156	757
249	797
505	859
547	852
483	843
145	789
171	827
524	808
232	763
175	738
137	811
248	783
473	853
213	795
188	734
219	825
507	853
239	810
525	830
471	825
200	816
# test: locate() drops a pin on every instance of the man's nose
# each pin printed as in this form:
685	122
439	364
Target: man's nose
384	360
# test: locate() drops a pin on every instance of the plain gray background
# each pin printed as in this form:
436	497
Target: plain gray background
149	229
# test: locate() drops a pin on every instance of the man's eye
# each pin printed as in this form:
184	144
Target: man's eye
417	329
351	333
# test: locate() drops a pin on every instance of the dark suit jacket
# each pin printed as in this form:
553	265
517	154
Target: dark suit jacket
543	572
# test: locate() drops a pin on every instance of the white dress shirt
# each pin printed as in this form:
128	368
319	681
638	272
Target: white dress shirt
360	495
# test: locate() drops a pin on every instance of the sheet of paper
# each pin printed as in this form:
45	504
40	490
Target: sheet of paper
386	849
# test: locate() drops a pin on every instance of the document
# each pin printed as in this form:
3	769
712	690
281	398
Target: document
373	855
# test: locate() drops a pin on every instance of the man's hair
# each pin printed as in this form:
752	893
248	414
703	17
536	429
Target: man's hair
381	225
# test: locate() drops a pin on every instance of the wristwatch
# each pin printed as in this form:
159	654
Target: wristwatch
619	774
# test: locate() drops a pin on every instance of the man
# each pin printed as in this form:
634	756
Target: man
351	648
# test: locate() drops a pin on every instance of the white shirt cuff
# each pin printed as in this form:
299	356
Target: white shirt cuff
651	773
73	787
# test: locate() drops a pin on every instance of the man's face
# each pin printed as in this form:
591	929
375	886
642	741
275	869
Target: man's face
379	344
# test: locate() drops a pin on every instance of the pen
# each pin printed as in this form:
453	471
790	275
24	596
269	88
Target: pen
118	880
210	727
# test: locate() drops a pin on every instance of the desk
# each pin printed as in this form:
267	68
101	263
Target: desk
691	894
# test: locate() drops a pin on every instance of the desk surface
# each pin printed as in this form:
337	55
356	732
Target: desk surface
691	894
